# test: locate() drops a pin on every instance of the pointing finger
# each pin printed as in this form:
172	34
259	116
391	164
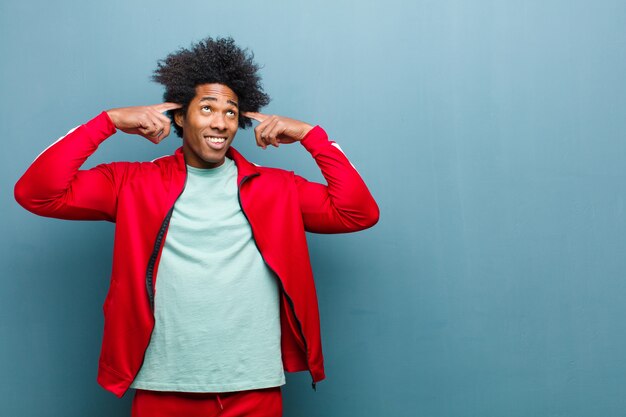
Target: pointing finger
259	117
163	107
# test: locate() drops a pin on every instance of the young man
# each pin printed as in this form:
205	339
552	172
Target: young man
212	295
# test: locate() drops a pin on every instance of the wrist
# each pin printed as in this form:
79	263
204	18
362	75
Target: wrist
315	140
113	116
306	128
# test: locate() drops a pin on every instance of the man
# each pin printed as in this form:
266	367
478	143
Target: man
212	295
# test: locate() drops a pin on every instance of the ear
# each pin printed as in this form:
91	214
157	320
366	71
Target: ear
179	118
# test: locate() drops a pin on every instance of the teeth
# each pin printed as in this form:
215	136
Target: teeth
217	140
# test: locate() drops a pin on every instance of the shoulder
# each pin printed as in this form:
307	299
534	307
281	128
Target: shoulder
275	173
274	179
131	171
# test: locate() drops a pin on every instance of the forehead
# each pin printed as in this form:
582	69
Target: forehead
215	91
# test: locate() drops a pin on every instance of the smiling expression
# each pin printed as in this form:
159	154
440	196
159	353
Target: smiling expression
209	126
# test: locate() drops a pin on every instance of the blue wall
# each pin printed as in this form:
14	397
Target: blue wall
490	132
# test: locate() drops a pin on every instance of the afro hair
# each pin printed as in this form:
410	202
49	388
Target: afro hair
211	61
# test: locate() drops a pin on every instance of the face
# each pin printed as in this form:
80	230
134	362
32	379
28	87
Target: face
209	126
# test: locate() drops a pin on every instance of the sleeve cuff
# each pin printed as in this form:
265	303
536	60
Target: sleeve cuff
101	127
314	139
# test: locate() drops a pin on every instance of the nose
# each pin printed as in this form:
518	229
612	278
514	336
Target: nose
218	122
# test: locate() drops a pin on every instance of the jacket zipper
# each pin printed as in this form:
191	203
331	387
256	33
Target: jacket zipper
157	246
282	288
153	256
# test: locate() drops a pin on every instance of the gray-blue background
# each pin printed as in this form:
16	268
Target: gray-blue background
490	132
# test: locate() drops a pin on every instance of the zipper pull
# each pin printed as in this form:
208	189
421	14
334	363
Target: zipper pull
314	386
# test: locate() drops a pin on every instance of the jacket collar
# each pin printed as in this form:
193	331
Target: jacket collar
244	167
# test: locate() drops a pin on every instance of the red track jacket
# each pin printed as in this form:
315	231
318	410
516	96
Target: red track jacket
139	198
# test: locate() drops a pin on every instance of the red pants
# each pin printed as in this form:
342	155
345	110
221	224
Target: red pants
254	403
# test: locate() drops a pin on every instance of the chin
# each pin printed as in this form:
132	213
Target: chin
214	158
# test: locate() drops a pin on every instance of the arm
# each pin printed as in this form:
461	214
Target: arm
345	204
55	186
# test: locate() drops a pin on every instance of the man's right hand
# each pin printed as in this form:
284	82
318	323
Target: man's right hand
146	121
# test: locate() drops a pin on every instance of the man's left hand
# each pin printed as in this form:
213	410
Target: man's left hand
274	130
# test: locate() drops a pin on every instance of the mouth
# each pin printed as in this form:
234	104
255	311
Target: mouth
215	142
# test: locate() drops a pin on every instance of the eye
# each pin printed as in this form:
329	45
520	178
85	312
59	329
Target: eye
206	109
231	113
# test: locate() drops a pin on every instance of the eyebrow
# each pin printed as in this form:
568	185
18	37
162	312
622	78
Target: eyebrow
211	98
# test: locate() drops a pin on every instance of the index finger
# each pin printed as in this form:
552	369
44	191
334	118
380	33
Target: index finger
259	117
163	107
